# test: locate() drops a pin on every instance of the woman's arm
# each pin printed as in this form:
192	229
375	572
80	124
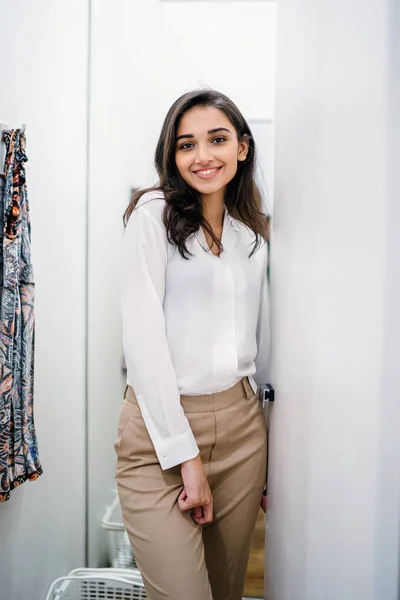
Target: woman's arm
148	360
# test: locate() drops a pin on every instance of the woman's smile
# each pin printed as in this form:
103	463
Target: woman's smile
207	173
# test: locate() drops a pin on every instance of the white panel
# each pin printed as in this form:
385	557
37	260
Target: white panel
333	522
108	197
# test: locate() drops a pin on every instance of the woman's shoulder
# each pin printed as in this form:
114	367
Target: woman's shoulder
151	204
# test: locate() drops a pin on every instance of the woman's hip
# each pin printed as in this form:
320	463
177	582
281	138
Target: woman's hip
228	426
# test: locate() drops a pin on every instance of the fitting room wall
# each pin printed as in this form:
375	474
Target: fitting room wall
333	522
44	82
143	56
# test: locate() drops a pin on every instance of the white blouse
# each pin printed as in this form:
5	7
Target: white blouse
190	327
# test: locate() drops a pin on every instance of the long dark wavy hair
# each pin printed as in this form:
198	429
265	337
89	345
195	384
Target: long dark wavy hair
183	214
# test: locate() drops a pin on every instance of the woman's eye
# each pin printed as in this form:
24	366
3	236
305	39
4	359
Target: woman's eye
219	140
186	146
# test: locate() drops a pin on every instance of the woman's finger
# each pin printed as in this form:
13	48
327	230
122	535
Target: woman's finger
184	504
264	503
182	495
197	512
208	513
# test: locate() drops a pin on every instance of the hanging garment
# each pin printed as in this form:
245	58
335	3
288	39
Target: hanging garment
19	459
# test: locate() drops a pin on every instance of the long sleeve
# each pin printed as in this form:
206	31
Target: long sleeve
263	331
149	366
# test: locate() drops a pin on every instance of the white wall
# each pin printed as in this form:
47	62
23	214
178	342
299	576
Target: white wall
145	55
44	79
333	523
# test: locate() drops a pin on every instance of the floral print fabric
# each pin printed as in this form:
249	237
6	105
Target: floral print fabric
19	459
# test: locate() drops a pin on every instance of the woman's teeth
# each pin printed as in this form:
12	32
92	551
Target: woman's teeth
206	172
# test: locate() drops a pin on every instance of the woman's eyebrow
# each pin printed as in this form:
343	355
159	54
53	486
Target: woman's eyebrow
218	129
211	131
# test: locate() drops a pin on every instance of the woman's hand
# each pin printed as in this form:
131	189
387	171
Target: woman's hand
196	494
263	503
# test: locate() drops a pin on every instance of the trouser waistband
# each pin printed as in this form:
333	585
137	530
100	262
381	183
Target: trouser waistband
208	402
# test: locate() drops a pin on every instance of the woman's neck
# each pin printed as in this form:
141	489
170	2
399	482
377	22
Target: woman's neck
213	209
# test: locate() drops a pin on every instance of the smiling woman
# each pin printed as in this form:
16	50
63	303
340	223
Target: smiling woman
209	155
203	131
208	160
191	443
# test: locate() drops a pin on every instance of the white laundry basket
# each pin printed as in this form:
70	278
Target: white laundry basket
119	549
98	584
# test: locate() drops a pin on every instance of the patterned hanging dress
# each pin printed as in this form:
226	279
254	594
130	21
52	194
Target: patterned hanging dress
19	458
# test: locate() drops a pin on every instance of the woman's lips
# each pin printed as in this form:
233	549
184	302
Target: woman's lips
207	173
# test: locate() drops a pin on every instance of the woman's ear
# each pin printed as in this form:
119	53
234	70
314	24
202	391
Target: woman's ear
243	148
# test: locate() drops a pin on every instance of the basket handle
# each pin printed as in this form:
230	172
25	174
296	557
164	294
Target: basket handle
91	578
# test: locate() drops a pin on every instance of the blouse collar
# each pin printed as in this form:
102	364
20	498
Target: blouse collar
230	230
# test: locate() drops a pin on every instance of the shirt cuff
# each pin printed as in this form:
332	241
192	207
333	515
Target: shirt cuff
177	450
253	383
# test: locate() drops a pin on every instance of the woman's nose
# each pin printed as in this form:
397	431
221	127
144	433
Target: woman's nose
203	155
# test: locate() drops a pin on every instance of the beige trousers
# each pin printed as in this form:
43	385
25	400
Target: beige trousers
178	559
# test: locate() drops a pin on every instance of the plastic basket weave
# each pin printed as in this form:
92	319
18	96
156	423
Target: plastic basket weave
98	584
119	549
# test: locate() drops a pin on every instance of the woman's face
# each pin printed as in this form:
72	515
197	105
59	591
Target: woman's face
207	149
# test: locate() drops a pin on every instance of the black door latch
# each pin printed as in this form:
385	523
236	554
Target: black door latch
267	394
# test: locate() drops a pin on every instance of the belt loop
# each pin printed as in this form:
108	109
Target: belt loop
244	389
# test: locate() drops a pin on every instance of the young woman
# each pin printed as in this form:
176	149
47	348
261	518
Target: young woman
191	441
